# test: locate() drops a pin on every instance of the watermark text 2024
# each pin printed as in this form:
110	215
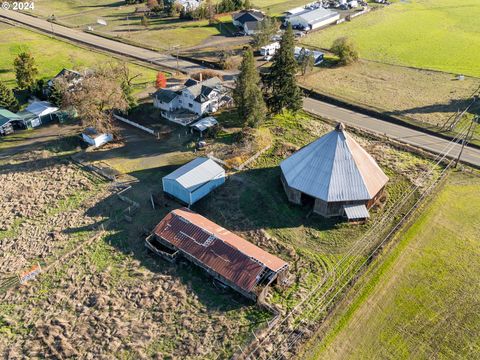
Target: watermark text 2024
18	5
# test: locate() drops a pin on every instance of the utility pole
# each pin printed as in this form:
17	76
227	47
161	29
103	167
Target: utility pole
464	142
176	47
51	19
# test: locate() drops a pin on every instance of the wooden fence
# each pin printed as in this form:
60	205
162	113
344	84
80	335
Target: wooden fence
138	126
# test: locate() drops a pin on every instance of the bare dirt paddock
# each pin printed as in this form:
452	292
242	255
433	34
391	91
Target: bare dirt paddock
108	299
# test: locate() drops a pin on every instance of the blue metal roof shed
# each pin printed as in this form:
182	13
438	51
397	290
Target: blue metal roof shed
194	180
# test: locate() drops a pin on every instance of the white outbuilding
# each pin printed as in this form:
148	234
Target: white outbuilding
194	180
38	113
312	18
93	138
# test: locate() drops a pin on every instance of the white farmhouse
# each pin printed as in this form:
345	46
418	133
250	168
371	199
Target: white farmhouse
193	100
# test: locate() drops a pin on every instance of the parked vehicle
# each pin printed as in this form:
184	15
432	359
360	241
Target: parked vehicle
6	129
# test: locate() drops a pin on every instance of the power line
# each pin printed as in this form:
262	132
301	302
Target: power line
314	293
325	305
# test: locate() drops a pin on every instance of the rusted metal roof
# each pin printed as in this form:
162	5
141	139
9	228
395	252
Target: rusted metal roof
232	257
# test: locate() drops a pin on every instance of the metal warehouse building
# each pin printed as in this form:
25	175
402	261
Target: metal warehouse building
194	180
312	18
335	174
224	255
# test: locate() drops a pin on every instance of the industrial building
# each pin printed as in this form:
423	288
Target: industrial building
224	255
311	18
336	175
194	180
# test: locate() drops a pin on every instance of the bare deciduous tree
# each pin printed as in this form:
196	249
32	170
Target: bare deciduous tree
96	98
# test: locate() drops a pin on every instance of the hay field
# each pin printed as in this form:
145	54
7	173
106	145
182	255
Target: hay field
430	34
422	300
425	98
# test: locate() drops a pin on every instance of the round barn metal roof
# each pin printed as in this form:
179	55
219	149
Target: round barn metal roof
334	168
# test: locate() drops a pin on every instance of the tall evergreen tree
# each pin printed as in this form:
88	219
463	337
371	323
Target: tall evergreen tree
25	70
281	84
7	99
267	28
248	94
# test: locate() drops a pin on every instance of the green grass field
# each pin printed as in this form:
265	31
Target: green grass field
162	33
432	34
124	23
52	55
421	301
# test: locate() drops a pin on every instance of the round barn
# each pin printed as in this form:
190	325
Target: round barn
335	175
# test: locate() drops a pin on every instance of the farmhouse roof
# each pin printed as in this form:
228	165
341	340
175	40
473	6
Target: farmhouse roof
196	173
232	257
248	16
69	74
190	82
334	168
165	95
205	87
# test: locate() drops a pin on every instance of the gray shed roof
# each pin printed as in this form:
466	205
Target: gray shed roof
205	123
356	212
334	168
196	173
316	15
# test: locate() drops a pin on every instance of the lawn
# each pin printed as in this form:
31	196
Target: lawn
420	301
110	288
52	55
253	203
124	23
190	316
430	34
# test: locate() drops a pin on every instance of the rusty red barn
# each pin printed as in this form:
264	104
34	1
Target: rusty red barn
226	256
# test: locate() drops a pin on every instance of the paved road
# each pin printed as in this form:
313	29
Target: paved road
397	132
410	136
149	56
